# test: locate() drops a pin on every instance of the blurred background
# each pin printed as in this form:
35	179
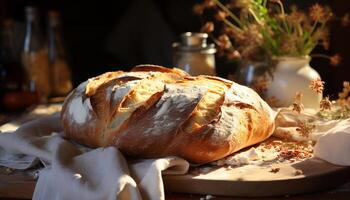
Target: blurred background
100	36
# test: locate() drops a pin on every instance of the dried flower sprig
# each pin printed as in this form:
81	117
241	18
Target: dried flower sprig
305	128
297	105
325	104
338	109
344	96
262	29
317	85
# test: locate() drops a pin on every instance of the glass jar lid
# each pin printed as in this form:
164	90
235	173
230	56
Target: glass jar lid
194	42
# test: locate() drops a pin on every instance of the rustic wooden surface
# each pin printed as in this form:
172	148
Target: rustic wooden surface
321	177
260	181
340	193
333	182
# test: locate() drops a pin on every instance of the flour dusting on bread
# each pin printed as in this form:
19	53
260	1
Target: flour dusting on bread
155	111
80	109
178	97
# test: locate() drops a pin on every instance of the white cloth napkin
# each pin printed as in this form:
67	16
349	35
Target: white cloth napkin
75	172
332	137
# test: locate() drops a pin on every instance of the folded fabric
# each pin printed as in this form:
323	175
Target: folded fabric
332	137
75	172
334	145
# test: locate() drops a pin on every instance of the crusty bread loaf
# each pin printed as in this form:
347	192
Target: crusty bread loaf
154	111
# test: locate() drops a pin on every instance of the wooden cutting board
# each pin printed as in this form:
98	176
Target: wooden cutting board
241	181
259	181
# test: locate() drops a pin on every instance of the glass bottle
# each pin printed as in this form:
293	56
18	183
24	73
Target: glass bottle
11	76
34	55
10	66
61	82
194	55
13	94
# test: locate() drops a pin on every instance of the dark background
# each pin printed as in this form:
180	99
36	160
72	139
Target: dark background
111	35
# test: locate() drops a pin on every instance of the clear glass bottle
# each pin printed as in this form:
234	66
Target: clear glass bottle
194	55
11	76
61	82
13	93
34	55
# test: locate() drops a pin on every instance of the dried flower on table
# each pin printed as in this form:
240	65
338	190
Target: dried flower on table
325	104
340	107
305	128
298	172
297	107
297	104
294	151
275	170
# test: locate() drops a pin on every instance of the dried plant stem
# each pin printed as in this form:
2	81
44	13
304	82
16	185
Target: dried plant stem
230	24
264	3
280	4
314	25
260	30
233	16
255	17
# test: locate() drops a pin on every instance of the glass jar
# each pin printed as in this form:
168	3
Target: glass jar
34	56
194	55
61	83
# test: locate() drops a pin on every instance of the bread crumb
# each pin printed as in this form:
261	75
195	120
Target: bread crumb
275	170
298	172
77	176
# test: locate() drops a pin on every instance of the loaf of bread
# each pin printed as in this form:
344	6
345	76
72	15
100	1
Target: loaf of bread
154	111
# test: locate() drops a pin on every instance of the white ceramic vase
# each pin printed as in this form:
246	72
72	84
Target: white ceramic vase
292	75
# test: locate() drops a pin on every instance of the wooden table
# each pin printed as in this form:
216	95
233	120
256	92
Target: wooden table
22	187
25	186
341	193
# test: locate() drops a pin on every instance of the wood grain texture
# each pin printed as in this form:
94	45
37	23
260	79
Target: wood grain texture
259	181
245	181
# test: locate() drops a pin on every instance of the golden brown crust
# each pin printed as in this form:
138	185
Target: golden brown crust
96	82
156	68
154	111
